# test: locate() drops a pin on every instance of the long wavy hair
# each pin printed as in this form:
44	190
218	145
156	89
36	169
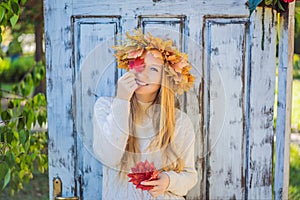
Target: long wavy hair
163	120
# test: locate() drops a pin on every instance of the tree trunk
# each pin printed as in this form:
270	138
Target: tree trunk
38	31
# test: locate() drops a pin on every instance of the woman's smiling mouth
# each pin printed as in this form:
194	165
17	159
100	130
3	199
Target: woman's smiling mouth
141	83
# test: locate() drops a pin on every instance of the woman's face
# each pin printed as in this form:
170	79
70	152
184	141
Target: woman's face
149	79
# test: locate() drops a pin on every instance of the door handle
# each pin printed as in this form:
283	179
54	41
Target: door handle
57	191
66	198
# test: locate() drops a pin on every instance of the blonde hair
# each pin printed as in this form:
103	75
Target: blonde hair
164	129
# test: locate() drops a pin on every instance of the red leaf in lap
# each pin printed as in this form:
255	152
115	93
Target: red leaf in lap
143	171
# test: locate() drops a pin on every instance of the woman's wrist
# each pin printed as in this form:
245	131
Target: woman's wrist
167	178
123	97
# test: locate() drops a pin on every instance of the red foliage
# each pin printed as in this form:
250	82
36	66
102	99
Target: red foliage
137	64
143	171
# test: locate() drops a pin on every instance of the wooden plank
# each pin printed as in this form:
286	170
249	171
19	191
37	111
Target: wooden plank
148	7
283	123
194	102
259	125
59	95
225	107
96	75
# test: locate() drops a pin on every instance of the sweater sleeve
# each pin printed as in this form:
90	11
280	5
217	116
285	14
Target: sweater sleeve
110	125
184	141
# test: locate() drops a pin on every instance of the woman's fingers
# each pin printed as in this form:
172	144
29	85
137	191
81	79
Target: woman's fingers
126	85
130	81
127	78
133	86
152	183
156	189
160	185
129	74
155	193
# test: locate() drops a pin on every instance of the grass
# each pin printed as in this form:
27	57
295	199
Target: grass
36	189
294	186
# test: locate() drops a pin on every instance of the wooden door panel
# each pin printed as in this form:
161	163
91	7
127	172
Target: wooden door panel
225	41
93	38
169	27
261	94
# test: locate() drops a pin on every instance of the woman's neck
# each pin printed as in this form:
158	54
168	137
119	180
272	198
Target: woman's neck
146	98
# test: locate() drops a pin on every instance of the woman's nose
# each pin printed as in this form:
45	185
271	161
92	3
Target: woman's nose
142	72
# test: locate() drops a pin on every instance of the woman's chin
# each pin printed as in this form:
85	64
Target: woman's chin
147	89
142	89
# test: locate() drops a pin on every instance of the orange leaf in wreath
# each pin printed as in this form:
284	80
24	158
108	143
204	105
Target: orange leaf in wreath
135	53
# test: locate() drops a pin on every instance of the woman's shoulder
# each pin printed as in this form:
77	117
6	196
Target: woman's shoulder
110	104
104	101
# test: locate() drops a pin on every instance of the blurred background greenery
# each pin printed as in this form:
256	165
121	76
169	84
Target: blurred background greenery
23	113
22	56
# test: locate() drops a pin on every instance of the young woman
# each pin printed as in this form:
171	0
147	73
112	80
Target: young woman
141	122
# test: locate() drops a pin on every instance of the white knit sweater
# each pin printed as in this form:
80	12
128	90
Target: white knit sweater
110	138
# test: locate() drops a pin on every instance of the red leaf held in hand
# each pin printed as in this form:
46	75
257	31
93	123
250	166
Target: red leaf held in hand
143	171
137	64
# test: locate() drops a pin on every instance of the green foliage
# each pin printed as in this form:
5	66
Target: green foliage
9	13
297	19
12	71
297	28
296	106
296	69
295	119
21	147
4	66
275	3
14	48
279	5
253	4
294	184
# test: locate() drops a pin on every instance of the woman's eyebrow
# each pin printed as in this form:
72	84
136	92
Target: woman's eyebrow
156	65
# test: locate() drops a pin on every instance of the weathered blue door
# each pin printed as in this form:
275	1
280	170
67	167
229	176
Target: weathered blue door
231	104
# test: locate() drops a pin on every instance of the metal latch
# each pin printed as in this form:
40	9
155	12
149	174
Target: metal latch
57	190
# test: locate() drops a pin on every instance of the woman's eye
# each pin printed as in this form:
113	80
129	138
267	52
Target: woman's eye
154	69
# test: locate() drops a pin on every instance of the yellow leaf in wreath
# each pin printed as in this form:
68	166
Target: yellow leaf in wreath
156	54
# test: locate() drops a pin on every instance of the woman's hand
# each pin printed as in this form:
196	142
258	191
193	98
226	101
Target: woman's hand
160	185
126	85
